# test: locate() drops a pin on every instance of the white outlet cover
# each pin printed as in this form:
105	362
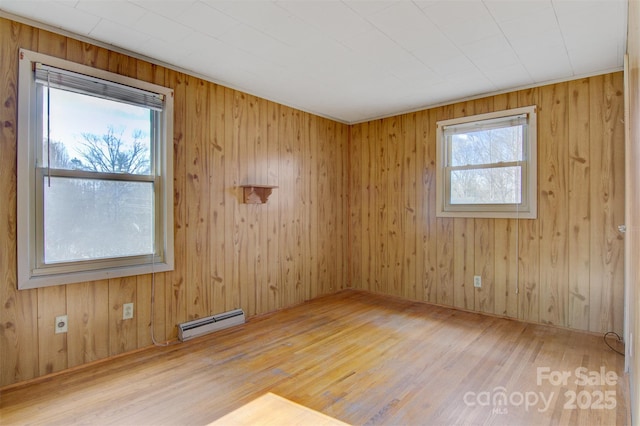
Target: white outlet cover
62	324
127	311
477	281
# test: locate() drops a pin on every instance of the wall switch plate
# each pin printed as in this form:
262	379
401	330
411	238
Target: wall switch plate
127	311
477	281
62	324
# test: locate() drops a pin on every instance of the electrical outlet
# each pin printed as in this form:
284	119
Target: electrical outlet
127	311
477	281
62	323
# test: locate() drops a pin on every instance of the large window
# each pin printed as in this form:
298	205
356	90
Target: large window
487	165
94	174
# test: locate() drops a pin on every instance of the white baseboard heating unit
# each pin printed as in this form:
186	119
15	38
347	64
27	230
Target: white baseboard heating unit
198	327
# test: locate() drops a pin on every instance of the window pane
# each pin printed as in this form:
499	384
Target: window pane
95	219
487	146
486	186
95	134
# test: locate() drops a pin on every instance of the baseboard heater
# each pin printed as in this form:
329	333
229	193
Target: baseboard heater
189	330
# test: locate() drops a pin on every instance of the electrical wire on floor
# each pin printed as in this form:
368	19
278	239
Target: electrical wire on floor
607	343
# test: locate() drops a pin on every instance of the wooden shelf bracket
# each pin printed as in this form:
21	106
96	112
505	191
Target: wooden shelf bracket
256	194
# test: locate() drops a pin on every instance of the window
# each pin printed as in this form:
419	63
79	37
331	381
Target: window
95	174
487	165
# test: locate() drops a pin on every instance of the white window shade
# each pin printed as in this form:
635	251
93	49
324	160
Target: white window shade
488	124
87	85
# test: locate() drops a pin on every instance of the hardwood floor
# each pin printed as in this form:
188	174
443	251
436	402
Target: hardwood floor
354	356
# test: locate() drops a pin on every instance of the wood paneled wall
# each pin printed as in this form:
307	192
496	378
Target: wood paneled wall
228	254
564	268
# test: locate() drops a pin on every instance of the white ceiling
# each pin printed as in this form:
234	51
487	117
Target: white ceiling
355	60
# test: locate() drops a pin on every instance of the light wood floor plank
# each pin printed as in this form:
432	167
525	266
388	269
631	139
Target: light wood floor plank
353	356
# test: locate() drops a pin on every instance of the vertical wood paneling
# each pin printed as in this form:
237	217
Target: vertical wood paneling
52	347
506	267
123	334
273	279
252	263
227	254
528	271
370	210
262	224
464	263
366	210
381	202
175	282
197	209
319	188
287	193
579	197
158	322
506	240
446	257
309	197
88	336
335	220
299	286
244	212
355	200
409	285
484	264
18	315
341	182
232	199
529	244
142	310
426	195
444	228
606	214
217	204
393	150
552	204
91	55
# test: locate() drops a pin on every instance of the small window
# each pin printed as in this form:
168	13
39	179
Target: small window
94	174
487	165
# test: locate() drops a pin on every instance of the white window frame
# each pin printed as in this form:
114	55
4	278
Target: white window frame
32	270
527	208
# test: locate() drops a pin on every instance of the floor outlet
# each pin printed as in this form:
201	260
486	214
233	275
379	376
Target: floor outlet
127	311
477	281
62	324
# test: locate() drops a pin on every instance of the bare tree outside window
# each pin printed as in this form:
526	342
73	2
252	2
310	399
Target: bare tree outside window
110	153
487	171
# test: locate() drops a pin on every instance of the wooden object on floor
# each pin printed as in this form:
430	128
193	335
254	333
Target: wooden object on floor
256	194
270	409
354	356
